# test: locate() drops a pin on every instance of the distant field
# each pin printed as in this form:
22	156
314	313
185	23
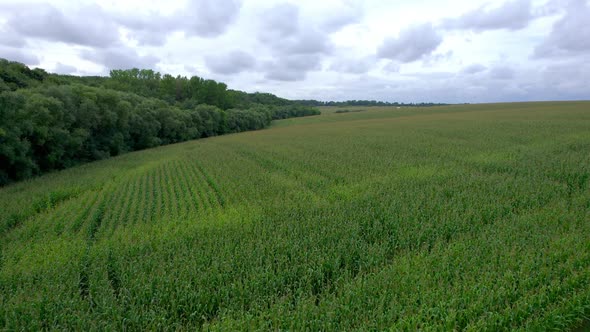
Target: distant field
469	217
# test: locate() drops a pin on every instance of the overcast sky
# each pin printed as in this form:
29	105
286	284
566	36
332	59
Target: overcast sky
410	51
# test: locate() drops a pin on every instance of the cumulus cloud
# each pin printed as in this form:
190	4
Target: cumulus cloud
283	33
91	25
341	15
88	26
203	18
512	15
279	21
411	44
231	63
296	48
570	35
307	41
120	58
210	18
151	29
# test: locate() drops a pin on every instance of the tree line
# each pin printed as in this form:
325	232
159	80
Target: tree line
311	102
50	122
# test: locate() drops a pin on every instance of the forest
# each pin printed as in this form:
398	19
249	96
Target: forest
51	122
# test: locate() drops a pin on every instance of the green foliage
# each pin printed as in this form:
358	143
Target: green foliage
454	218
52	122
15	75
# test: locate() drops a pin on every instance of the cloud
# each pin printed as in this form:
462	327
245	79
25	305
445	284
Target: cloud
21	56
434	59
64	69
292	67
151	29
353	66
231	63
474	69
341	15
512	15
120	58
89	26
9	37
296	47
502	73
569	79
570	35
308	41
203	18
209	18
391	67
279	21
411	44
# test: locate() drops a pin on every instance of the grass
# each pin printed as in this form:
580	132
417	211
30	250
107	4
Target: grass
470	217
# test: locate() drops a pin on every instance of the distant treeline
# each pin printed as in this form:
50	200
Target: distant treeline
50	122
349	111
363	103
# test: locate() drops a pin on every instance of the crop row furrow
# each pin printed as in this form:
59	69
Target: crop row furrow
185	205
127	209
172	198
205	189
109	220
145	208
198	188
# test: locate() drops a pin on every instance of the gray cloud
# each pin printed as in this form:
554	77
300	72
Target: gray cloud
502	73
210	18
203	18
569	79
513	15
292	67
279	21
89	26
555	82
120	58
474	69
433	59
282	31
340	16
570	36
295	46
231	63
307	41
412	44
9	37
353	66
21	56
391	67
152	29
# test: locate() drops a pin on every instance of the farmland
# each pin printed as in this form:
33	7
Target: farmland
469	217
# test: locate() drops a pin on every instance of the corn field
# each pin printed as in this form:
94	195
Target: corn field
469	217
